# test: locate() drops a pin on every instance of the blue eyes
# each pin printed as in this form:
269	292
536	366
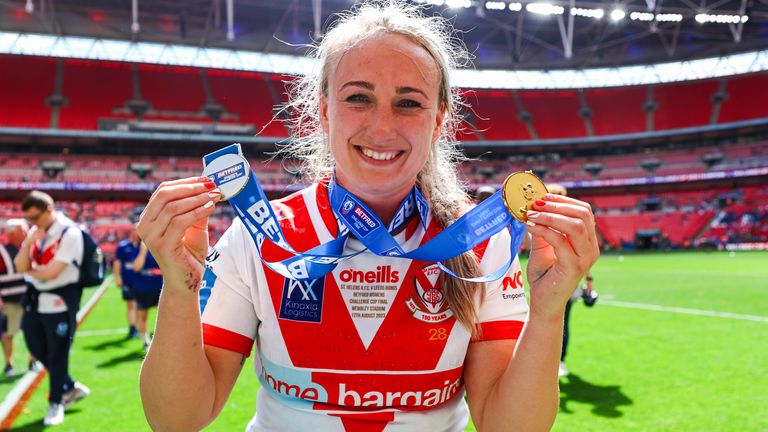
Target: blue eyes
357	98
363	99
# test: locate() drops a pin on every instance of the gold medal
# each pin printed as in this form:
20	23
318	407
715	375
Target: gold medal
519	191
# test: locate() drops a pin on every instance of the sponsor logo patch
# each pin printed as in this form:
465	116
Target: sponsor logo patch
512	286
302	300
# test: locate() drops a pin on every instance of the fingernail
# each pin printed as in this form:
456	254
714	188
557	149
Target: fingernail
530	223
203	179
551	196
210	185
208	205
541	203
532	214
214	193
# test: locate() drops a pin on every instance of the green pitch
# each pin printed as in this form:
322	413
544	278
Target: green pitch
676	342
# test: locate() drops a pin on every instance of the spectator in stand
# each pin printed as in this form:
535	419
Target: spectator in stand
12	289
483	192
125	277
146	289
583	291
51	255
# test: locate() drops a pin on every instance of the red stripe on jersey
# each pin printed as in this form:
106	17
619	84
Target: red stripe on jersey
229	340
47	255
418	345
495	330
372	392
324	205
374	422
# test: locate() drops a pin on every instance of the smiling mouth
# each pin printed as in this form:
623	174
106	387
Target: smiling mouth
379	156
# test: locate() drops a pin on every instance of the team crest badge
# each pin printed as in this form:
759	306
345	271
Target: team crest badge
427	301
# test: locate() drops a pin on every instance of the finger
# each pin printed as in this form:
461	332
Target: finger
577	232
566	199
179	224
567	209
155	230
168	193
184	205
562	248
186	180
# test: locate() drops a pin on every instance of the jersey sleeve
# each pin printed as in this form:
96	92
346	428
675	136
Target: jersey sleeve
228	307
70	248
504	311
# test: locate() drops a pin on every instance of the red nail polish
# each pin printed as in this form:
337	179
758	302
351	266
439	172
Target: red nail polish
541	203
210	185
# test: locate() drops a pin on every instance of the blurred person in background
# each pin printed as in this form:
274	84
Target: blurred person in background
483	192
147	285
583	291
51	256
12	289
125	277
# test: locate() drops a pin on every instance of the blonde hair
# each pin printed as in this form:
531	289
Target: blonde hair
438	178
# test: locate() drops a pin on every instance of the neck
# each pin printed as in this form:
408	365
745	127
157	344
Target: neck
53	219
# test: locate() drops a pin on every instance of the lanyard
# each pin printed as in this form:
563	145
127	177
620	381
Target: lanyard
230	171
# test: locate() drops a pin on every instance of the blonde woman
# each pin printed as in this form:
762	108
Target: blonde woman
380	343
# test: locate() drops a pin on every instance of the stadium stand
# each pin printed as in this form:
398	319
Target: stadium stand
94	91
683	105
617	110
746	98
554	114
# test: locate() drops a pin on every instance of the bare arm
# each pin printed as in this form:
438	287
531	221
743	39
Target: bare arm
49	271
141	258
23	260
117	269
513	385
179	368
183	384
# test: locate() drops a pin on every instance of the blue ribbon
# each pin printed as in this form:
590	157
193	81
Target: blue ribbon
352	215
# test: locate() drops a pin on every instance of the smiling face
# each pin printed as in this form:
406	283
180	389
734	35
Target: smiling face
382	115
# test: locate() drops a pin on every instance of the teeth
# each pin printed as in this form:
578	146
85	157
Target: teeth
378	156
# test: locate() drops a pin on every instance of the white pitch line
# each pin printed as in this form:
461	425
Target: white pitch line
687	311
29	377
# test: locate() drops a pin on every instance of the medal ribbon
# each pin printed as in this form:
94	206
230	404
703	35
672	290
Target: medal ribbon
352	215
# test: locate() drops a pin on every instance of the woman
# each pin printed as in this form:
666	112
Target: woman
365	347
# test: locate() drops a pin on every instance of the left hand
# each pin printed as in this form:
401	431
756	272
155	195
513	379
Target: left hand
563	248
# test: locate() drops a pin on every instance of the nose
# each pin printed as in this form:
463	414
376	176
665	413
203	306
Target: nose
382	125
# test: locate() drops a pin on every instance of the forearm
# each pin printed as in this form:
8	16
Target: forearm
117	267
526	396
47	272
177	382
22	260
141	259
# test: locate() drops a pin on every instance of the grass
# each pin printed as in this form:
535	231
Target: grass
632	369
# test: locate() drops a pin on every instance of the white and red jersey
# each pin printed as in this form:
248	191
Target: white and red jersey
372	346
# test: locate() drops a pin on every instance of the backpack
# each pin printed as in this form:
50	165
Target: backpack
92	263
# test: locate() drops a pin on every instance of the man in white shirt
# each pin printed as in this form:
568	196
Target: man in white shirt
51	257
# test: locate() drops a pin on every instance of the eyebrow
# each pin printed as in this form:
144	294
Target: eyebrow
368	86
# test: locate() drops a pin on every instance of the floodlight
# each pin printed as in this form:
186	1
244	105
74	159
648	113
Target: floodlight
617	15
544	9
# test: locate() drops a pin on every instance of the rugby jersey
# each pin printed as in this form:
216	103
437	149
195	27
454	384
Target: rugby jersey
372	346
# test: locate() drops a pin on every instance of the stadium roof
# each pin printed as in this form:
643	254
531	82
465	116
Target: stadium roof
503	34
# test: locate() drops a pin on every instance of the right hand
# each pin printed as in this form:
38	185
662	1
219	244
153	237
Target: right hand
174	226
35	235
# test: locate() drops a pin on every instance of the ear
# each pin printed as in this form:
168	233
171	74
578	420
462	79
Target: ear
324	113
438	123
